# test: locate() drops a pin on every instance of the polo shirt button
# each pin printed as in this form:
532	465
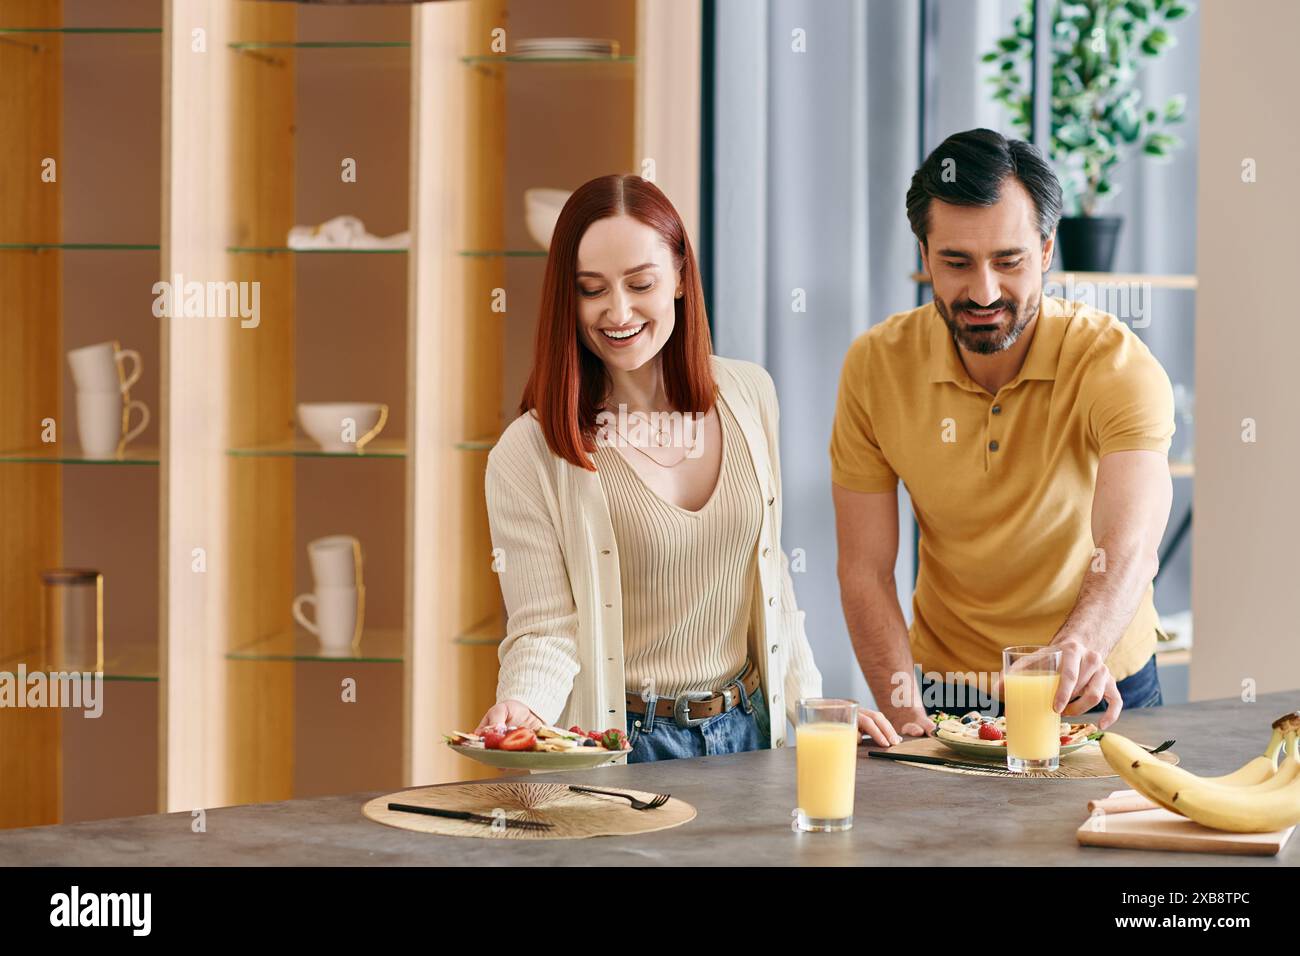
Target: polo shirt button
771	602
766	552
774	648
993	445
604	550
996	409
780	742
770	502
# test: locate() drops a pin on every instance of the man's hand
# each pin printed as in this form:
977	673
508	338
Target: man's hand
916	723
1085	682
1130	506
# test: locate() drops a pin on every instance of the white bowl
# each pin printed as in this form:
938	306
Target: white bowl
326	423
541	210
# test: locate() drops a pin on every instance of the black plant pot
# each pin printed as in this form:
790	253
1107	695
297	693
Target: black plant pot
1088	242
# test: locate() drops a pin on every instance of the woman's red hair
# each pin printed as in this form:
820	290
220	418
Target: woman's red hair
568	383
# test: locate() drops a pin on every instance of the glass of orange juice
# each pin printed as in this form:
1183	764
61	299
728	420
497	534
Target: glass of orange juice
1030	676
826	753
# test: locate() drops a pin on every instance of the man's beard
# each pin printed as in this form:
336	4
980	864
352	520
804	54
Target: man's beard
992	338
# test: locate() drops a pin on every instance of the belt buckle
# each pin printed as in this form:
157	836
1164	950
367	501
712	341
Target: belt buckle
681	708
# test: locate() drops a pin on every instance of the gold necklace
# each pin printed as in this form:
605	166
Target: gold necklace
660	441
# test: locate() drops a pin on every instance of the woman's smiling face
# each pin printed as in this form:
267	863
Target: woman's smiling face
626	284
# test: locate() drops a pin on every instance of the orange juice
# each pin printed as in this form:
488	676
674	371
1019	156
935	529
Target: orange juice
1033	727
827	758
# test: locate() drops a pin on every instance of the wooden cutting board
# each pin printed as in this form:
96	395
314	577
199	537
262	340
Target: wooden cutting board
1159	829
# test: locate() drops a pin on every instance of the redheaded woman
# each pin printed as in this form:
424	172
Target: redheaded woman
636	506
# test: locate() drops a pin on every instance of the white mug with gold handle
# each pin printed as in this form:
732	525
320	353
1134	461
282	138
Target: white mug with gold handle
101	367
128	433
338	615
102	423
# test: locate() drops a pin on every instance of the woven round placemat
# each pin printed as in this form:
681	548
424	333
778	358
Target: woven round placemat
1087	762
573	815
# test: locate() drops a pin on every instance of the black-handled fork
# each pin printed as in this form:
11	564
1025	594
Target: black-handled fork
658	800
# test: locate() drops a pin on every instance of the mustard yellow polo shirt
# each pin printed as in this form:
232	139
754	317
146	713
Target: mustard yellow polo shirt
1001	484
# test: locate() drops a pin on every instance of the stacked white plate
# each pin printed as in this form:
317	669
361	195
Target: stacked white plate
580	48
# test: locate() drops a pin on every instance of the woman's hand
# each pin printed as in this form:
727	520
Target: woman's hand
877	726
509	713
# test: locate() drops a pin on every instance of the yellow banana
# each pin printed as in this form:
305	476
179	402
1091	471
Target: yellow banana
1259	809
1137	766
1258	769
1162	785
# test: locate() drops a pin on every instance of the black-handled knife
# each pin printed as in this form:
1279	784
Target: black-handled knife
942	762
472	817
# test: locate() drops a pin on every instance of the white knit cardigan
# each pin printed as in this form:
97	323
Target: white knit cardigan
557	559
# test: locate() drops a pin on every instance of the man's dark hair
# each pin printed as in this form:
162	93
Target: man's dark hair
981	161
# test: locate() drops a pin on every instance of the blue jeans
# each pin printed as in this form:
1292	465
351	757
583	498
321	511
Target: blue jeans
1141	689
744	727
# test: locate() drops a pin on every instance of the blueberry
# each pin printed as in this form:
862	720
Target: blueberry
589	742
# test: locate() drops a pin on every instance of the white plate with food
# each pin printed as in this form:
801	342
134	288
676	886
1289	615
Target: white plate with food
545	748
976	735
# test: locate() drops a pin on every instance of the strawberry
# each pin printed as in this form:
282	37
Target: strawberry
613	739
521	738
492	738
1065	738
989	732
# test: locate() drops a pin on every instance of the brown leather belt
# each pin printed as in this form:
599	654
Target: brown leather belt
695	707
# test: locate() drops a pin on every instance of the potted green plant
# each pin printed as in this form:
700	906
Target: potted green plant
1098	117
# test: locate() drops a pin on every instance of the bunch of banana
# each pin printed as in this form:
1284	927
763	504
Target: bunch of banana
1257	798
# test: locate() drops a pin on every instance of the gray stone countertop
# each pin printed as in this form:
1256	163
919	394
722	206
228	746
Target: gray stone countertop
903	816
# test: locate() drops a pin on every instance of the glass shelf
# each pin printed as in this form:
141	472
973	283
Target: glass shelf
490	633
375	647
379	448
477	444
319	44
98	31
521	58
506	253
55	455
132	663
281	250
306	448
135	662
82	246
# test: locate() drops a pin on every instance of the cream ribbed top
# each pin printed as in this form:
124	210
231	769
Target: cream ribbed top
557	558
687	576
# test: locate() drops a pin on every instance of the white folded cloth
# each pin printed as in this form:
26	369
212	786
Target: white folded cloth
344	232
